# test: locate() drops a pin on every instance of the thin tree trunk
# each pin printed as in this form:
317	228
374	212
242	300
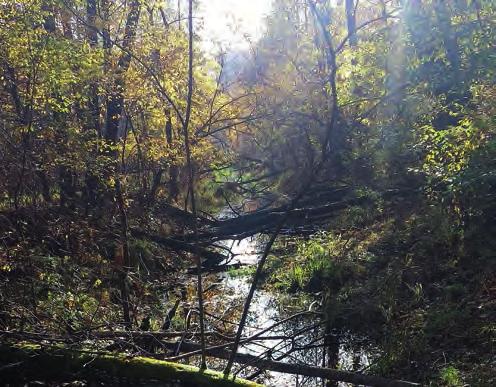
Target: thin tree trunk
11	86
126	259
115	103
173	169
331	344
92	36
157	180
351	22
191	189
93	121
334	139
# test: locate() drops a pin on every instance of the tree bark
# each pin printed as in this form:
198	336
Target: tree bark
351	22
22	364
92	36
173	169
157	181
210	258
115	101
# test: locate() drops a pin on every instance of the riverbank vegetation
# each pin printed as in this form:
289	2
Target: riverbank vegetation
353	139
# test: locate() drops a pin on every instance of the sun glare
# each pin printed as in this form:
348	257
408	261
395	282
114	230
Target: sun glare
232	24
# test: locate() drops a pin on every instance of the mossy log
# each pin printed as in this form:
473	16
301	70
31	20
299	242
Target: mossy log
27	362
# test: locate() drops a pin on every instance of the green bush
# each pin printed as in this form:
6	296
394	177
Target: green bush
450	377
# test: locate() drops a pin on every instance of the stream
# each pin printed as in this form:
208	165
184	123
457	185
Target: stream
225	294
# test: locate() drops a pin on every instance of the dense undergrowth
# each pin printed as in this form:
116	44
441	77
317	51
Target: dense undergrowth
417	282
122	139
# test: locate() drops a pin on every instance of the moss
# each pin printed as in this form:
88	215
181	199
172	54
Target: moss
242	271
57	363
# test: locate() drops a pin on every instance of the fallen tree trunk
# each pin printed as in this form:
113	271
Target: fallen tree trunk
218	269
179	215
296	369
220	352
28	362
265	221
311	211
209	258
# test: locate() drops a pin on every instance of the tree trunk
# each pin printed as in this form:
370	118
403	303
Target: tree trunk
297	369
191	184
40	362
115	101
126	259
351	22
49	17
173	169
22	364
157	180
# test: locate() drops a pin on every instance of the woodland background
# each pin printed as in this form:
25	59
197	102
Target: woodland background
368	124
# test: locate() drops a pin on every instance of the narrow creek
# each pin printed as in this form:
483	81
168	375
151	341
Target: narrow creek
225	294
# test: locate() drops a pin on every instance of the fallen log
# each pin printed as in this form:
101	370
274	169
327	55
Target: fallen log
311	211
179	215
28	362
296	369
220	352
264	221
209	258
217	269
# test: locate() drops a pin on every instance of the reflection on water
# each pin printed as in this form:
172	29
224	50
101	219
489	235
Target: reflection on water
224	299
264	313
245	251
